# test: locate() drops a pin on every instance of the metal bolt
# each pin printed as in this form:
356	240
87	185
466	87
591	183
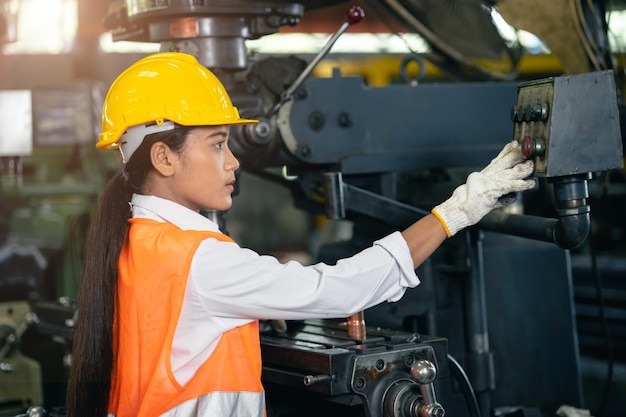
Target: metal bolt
316	121
301	93
409	360
432	410
305	151
315	379
345	120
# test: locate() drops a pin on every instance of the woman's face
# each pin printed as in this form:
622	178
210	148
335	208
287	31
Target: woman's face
204	177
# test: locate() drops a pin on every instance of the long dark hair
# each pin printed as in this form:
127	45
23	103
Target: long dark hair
92	347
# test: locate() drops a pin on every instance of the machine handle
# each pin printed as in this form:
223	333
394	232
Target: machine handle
14	336
34	411
424	373
354	15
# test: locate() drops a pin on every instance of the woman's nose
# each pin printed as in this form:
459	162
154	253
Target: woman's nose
232	161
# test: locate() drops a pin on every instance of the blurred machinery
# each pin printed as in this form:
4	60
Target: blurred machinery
492	330
20	376
48	183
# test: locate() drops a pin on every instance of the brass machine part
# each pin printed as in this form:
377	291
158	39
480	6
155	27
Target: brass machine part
356	326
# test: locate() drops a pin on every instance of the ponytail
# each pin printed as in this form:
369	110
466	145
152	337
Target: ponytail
92	350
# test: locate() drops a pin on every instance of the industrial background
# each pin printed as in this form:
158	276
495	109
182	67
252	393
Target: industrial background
371	112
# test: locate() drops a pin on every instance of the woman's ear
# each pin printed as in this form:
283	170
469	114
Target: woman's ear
163	159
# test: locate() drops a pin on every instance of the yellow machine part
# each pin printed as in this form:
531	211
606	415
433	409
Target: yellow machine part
384	70
20	376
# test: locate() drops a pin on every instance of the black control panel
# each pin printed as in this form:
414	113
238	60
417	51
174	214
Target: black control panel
569	125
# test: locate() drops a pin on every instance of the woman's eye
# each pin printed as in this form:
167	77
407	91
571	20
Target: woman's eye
219	145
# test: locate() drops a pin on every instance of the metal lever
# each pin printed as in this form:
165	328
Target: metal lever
34	411
14	336
424	373
354	15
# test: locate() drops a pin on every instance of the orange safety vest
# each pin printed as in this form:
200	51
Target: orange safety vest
153	269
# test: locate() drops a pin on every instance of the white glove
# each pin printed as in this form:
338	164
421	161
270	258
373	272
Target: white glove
482	190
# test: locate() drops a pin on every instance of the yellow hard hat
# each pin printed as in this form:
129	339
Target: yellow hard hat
166	86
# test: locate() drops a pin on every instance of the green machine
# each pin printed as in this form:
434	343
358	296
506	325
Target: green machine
50	177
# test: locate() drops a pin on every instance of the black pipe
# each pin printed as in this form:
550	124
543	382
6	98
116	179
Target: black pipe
531	227
567	232
571	194
571	231
571	228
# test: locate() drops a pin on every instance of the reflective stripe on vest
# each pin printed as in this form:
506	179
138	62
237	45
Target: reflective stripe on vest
153	268
236	404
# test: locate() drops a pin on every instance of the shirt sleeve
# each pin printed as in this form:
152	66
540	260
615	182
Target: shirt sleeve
230	281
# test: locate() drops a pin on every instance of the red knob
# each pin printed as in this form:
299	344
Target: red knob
355	15
528	148
533	147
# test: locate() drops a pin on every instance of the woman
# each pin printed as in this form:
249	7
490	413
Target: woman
168	305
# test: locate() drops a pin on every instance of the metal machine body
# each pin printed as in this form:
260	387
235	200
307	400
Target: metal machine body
504	305
569	125
381	158
387	373
357	129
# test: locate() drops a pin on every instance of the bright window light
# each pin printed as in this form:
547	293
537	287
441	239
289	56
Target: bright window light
359	43
107	45
617	30
44	27
297	43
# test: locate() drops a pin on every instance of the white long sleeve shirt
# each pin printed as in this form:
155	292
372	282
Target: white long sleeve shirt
229	286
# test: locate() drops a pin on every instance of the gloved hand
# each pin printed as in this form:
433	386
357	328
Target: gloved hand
483	190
